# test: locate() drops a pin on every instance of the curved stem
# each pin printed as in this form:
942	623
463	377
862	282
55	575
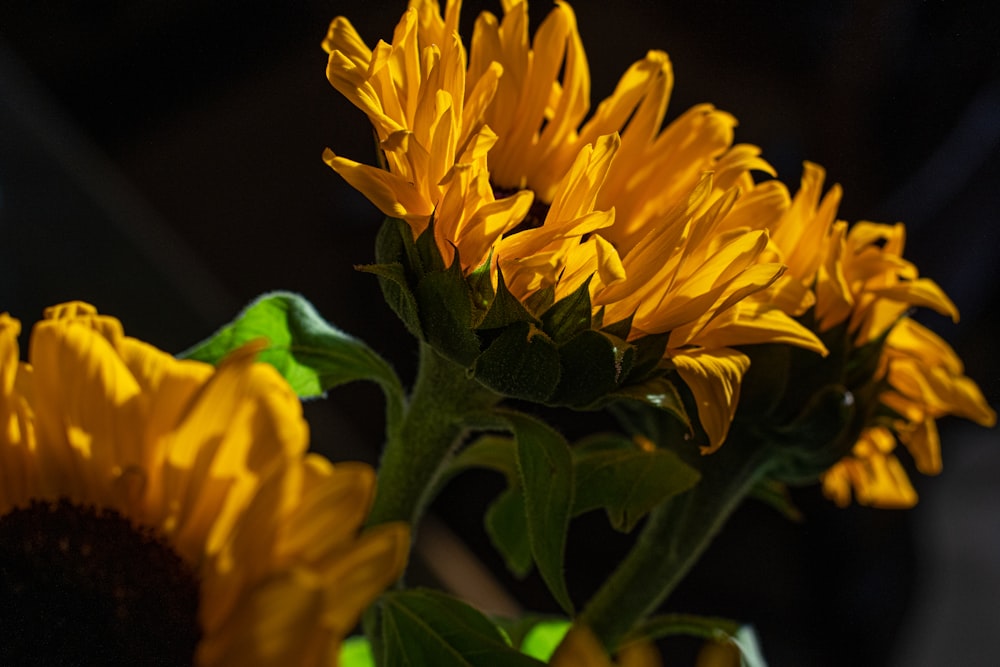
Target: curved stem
672	540
432	426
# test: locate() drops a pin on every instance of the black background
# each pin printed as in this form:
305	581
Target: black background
162	160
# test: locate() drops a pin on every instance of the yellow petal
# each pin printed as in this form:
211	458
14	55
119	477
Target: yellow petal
714	377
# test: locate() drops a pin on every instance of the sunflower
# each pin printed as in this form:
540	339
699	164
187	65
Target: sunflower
925	381
861	282
654	220
157	511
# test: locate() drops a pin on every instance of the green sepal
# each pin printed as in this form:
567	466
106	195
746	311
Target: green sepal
481	287
394	244
765	383
425	627
309	352
863	363
542	300
505	308
612	472
659	393
570	315
522	362
506	524
593	365
427	250
396	292
649	352
818	437
397	266
621	328
444	303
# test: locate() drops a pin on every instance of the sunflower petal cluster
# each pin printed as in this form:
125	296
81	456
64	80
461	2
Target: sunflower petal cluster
663	228
861	289
211	460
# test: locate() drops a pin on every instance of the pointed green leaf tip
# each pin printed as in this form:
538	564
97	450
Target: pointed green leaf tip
423	627
311	354
546	473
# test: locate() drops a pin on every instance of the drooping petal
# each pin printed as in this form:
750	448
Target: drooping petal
714	377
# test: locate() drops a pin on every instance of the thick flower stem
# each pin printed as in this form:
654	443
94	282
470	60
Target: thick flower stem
433	425
672	540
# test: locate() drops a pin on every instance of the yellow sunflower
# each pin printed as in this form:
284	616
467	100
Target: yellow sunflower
157	511
860	280
656	218
926	381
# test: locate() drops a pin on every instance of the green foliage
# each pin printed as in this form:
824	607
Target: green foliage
540	349
613	473
546	476
311	354
423	627
507	525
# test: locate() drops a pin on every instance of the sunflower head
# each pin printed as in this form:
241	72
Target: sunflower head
886	379
169	506
557	257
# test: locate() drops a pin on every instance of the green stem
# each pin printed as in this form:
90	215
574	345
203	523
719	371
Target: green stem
433	425
672	539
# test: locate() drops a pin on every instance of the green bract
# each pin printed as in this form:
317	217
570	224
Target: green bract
559	353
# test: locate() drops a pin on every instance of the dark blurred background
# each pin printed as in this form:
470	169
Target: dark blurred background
162	161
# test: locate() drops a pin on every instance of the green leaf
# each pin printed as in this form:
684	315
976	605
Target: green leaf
505	308
616	474
592	364
396	292
423	627
493	452
507	528
570	315
445	306
546	467
356	651
312	355
522	362
542	640
536	635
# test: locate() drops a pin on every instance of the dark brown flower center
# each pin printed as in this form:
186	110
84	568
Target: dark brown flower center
82	586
